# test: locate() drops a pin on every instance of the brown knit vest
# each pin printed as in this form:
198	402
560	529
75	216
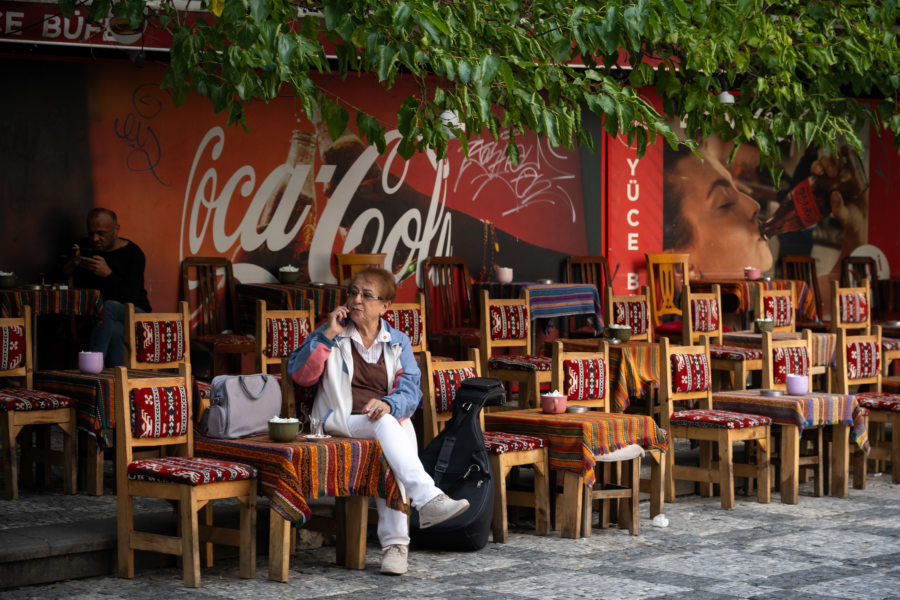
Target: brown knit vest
369	381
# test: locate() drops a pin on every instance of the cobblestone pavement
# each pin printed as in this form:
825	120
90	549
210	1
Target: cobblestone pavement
821	548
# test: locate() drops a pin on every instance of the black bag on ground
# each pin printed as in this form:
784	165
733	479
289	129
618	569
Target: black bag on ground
459	464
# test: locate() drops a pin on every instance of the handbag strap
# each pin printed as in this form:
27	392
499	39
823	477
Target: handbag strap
443	459
249	394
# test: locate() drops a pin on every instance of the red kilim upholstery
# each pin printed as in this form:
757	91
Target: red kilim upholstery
722	419
159	341
780	309
498	443
735	353
879	401
794	361
863	360
446	382
159	412
705	314
408	321
690	373
521	362
189	470
12	353
583	379
509	322
890	344
24	399
283	336
636	314
854	308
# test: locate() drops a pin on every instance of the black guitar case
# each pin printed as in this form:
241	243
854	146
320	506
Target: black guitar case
457	460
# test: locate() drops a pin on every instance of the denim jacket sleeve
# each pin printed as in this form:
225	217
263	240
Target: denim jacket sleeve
405	396
307	363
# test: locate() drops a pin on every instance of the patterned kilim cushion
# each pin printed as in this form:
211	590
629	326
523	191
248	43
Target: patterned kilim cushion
793	360
690	373
159	411
863	360
159	341
636	314
509	322
226	339
446	382
583	379
722	419
705	314
879	401
520	362
890	344
283	336
854	308
407	321
734	353
13	339
497	442
25	399
780	309
189	470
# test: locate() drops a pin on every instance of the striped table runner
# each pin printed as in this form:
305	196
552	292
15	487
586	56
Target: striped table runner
551	300
633	367
73	301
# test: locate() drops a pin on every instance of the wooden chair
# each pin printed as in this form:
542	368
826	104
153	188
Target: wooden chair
593	270
685	376
449	304
780	306
507	324
857	269
191	482
630	309
24	407
803	268
349	265
440	381
278	334
667	273
156	341
851	308
409	317
214	305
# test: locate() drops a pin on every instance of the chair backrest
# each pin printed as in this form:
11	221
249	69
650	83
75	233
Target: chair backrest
589	269
157	340
207	284
780	306
856	269
409	317
280	332
702	315
630	309
858	361
440	380
449	302
666	274
349	265
506	324
15	336
786	357
851	307
684	375
582	376
803	268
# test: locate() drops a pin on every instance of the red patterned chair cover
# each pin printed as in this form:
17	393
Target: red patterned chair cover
24	399
190	470
890	344
159	341
583	379
408	321
634	313
722	419
780	309
704	314
521	362
12	338
446	382
509	322
283	336
690	373
159	412
497	442
789	360
863	360
223	339
854	307
879	401
734	353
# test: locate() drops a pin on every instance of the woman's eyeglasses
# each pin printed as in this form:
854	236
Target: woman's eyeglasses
367	295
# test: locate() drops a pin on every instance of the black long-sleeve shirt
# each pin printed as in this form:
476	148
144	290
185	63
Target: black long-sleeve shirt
126	283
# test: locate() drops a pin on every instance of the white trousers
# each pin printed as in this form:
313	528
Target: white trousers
398	444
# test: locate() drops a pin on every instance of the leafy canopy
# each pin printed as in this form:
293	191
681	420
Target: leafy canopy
509	66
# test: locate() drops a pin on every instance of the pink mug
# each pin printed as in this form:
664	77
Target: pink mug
90	362
553	404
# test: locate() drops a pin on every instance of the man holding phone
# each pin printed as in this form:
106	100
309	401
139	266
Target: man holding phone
115	266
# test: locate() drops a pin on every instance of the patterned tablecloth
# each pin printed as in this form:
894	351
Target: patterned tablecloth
812	410
291	473
575	438
280	296
823	344
549	301
74	301
747	293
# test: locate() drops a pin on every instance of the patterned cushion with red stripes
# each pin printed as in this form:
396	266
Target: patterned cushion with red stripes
890	344
634	313
780	309
446	382
705	314
159	411
721	419
509	322
189	470
24	399
720	352
159	341
520	362
690	373
792	360
13	339
854	308
879	401
583	379
284	335
497	442
409	321
863	360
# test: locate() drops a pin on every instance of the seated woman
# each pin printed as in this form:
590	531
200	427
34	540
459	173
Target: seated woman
368	386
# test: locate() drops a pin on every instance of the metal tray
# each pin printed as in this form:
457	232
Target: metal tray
773	393
545	281
576	408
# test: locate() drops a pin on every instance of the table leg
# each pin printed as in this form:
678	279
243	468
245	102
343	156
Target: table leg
790	466
656	485
573	492
353	514
279	546
840	460
93	478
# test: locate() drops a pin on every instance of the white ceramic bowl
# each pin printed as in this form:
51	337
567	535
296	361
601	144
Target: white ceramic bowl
504	274
90	362
797	385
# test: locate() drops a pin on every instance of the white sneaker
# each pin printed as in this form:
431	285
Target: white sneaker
394	559
439	509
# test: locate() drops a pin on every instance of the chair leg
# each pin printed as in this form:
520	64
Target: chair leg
726	471
190	549
124	527
10	460
669	476
499	526
706	459
542	495
764	469
70	454
629	515
895	448
248	533
206	547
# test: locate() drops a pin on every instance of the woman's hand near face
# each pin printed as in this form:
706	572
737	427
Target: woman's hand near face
337	321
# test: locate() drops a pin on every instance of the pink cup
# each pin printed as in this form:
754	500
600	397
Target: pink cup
90	362
797	385
553	404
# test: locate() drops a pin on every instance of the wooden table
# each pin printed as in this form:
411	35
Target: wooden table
795	413
348	469
747	293
281	296
574	439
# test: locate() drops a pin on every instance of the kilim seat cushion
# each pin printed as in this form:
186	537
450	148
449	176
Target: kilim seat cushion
521	362
890	344
24	399
12	347
408	321
863	360
225	339
879	401
189	470
498	443
583	378
159	341
723	419
283	336
734	353
159	412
